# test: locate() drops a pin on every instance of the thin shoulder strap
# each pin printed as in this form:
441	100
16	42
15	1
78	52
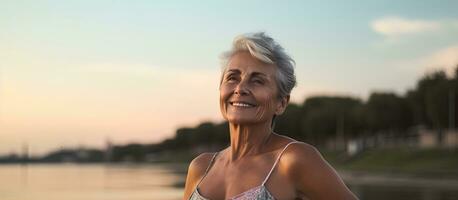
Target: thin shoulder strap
276	161
208	168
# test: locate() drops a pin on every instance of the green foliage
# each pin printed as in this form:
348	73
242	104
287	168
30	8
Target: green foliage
433	99
289	123
387	111
323	117
404	160
317	120
130	152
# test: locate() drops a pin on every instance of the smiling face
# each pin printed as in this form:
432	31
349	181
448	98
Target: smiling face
248	91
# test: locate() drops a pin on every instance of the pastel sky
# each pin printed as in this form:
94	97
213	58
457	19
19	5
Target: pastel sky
76	73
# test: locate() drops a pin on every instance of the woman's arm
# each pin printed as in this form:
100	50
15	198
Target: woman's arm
195	172
313	176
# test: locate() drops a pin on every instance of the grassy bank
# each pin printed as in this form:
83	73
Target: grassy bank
421	162
415	162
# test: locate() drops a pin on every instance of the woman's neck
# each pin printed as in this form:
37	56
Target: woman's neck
248	140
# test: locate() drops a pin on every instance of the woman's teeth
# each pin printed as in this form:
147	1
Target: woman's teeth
242	105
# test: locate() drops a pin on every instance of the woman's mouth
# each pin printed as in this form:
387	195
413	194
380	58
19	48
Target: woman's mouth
241	104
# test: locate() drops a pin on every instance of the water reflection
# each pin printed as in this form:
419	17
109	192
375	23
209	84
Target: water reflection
68	182
378	192
166	181
374	186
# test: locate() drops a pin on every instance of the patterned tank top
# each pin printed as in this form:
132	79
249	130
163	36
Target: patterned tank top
257	193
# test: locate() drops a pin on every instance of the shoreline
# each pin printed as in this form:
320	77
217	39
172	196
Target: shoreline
358	178
438	180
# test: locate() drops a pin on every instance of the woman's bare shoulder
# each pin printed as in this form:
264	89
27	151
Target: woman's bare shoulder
196	171
301	158
312	174
199	164
299	149
300	155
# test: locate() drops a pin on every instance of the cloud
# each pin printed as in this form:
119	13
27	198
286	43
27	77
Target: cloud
446	59
443	59
392	26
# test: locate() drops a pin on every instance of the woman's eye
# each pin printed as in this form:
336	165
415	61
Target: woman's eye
231	78
258	81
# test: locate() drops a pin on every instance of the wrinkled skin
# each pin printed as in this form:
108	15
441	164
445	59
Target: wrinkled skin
248	80
248	101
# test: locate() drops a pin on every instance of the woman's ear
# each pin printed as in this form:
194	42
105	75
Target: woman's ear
281	106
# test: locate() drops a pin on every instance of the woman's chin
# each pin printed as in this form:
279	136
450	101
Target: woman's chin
241	120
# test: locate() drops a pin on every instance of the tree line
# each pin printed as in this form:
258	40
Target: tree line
430	104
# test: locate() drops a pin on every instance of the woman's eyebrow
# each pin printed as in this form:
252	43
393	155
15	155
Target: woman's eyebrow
260	74
233	71
253	74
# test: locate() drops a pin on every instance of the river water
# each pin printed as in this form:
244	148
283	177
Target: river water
165	182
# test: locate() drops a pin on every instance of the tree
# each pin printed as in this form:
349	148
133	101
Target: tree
289	122
323	117
417	98
387	111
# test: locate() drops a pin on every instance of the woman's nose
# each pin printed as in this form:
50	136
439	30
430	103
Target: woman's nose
241	88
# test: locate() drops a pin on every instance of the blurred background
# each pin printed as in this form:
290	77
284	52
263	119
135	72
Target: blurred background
112	99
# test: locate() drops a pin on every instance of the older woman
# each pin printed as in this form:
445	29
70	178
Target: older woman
256	82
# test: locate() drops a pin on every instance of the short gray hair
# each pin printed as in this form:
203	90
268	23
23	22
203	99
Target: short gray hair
264	48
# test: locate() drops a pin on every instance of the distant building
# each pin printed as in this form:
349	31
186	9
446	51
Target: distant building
354	146
450	138
108	150
418	137
427	138
25	153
